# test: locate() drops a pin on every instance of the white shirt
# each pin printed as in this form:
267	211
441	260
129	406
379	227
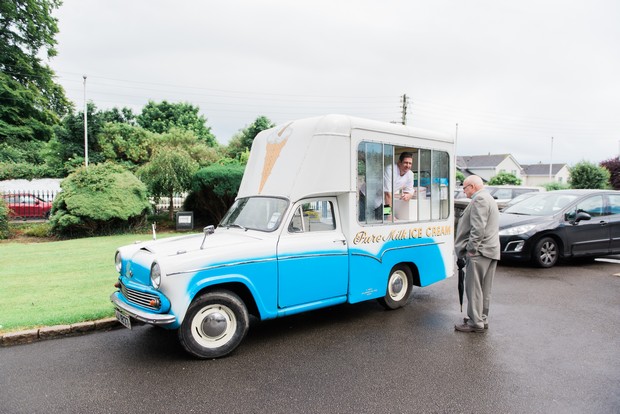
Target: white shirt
397	182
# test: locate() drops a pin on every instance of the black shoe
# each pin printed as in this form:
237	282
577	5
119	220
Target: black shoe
468	328
486	325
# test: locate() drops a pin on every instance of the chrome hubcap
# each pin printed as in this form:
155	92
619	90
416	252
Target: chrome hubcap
214	324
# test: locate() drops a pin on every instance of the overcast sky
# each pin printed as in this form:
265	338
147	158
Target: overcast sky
511	74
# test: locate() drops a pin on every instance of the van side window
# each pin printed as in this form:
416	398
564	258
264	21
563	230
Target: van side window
314	216
401	184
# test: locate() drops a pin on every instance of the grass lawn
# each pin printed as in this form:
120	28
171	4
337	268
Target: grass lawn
60	282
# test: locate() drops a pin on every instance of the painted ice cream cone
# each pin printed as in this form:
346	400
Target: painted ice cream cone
275	143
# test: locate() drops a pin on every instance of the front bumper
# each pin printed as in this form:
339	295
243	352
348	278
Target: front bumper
139	314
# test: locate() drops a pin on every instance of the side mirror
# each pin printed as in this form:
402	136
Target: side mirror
207	231
581	215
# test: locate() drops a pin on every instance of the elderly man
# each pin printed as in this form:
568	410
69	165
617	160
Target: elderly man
477	242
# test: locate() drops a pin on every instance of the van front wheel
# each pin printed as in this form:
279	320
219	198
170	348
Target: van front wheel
398	289
215	324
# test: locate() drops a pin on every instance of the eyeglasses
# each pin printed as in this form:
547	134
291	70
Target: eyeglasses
467	186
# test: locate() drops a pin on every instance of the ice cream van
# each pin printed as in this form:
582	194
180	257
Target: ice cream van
330	210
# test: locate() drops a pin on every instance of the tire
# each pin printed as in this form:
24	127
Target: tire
215	324
398	289
546	253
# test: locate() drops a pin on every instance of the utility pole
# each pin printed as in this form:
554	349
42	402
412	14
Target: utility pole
85	126
551	160
404	110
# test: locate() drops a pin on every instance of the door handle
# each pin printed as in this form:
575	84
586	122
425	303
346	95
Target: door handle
344	242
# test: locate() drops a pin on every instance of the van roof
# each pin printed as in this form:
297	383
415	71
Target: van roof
312	156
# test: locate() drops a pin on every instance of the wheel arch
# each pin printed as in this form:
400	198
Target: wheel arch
238	289
556	238
415	273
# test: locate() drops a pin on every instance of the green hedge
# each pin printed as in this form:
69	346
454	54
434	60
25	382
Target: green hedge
4	220
214	189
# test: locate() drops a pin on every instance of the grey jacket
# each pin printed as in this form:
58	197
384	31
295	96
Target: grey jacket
478	228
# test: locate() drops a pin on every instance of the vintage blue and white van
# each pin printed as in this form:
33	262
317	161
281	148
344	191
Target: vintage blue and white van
310	228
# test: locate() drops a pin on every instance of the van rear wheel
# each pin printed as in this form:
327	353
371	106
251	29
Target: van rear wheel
215	324
399	288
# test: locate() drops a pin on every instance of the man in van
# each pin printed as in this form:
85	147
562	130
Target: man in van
399	178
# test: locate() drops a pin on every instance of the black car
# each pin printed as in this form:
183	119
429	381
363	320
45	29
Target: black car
561	224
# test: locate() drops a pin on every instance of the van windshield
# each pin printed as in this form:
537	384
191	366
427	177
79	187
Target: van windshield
255	213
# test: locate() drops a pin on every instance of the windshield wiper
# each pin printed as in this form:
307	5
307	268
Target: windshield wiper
236	225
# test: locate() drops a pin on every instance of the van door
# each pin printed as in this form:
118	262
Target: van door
313	261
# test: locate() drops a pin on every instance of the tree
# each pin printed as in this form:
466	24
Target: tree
504	178
242	141
187	141
169	171
613	166
587	175
162	117
125	143
214	189
31	103
65	150
460	177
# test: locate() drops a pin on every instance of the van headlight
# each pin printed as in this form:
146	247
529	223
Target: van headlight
155	275
513	231
118	261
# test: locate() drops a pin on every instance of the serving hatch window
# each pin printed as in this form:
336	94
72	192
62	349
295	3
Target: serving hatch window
401	184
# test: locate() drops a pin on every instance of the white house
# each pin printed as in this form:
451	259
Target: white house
539	174
488	166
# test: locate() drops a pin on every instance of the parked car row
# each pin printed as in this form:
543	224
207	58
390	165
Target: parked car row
561	224
543	227
503	194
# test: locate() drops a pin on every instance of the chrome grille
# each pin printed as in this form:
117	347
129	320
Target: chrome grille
141	298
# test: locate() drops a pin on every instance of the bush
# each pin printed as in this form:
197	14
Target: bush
24	170
4	220
556	186
214	189
504	178
99	199
613	166
587	175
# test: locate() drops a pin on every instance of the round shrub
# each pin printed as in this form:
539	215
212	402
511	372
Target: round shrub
97	200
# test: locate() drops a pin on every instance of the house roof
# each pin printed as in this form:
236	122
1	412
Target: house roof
481	161
542	169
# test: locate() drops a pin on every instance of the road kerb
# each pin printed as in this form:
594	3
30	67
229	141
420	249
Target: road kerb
50	332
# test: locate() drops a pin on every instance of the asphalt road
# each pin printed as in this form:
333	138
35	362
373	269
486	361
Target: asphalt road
552	347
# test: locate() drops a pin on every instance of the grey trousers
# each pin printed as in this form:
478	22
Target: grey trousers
479	274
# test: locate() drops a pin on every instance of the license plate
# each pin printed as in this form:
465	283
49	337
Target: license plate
123	319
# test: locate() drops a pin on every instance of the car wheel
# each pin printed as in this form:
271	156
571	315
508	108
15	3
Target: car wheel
215	324
399	288
546	252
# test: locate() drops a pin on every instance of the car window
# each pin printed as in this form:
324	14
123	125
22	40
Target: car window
518	192
503	193
542	204
614	204
315	216
594	206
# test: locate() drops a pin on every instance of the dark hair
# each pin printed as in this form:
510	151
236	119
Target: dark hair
405	155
